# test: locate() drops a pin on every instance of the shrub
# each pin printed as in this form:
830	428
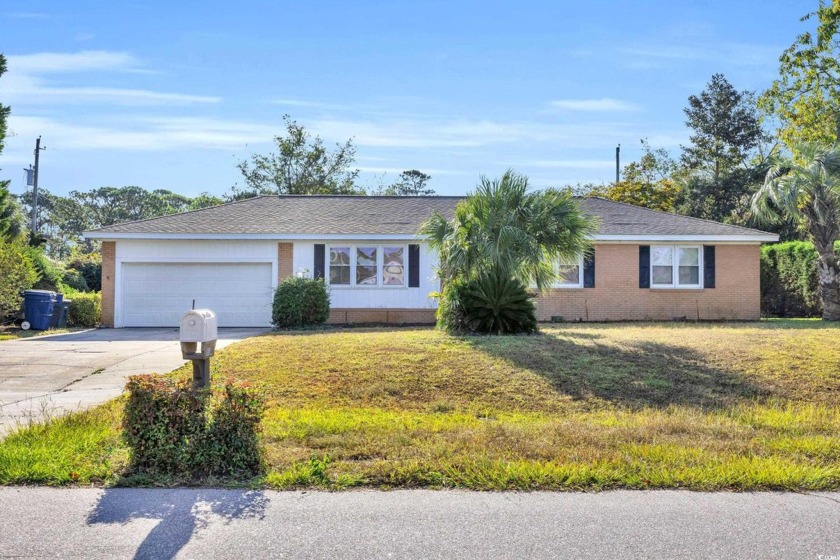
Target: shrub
451	314
790	280
49	272
85	309
300	302
174	430
163	420
74	280
230	445
17	272
89	267
493	304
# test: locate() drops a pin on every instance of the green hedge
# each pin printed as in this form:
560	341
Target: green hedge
789	280
172	429
85	309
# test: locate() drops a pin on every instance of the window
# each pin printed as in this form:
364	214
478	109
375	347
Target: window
570	274
366	269
675	267
393	266
367	266
340	266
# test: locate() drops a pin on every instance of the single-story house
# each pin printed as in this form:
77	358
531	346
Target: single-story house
647	265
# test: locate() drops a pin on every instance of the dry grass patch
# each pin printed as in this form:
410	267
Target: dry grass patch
708	406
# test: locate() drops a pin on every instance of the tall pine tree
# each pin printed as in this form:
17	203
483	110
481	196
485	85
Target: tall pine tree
10	218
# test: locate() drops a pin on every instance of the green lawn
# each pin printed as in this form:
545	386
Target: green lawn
662	405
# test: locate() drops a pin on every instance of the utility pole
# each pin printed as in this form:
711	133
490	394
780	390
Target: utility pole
617	158
38	149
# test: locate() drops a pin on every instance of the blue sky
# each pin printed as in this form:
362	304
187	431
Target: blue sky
165	94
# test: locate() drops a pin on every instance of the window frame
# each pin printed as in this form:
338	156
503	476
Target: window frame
675	268
380	265
566	286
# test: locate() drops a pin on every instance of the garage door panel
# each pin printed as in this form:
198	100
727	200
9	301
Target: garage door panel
158	294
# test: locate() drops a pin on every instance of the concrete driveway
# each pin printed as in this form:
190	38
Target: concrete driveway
56	374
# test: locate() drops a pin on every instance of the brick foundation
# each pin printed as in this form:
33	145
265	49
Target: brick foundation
382	316
617	296
109	259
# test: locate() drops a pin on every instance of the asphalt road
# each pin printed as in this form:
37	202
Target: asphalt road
56	374
187	523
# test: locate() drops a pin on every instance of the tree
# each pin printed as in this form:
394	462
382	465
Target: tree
502	239
503	226
810	193
11	222
205	200
64	219
302	165
720	168
17	272
411	183
646	183
806	96
11	218
110	205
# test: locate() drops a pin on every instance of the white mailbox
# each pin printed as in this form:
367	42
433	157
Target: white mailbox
199	325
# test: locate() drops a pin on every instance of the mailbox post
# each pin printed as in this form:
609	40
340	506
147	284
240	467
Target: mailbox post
199	327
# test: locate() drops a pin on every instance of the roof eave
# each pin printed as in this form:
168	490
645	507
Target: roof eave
104	235
610	238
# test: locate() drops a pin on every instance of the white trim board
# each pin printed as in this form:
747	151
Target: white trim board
762	238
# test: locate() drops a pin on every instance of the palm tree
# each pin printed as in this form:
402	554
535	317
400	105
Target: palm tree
810	194
505	229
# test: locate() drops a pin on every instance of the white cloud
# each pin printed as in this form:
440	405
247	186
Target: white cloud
139	134
84	61
658	56
468	134
23	90
605	104
27	84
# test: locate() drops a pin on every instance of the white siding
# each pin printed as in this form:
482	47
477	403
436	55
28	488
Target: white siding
187	251
375	297
265	251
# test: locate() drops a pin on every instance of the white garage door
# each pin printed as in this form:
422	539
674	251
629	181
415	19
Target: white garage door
158	294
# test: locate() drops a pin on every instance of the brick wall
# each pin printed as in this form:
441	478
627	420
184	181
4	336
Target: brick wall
384	316
284	261
109	257
617	296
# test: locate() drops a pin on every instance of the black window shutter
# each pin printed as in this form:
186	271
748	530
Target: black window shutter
589	271
320	254
644	266
708	266
414	266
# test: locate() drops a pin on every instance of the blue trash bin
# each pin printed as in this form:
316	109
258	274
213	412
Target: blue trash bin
38	308
57	310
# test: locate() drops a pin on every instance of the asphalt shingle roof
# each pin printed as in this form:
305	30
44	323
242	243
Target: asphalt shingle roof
373	215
